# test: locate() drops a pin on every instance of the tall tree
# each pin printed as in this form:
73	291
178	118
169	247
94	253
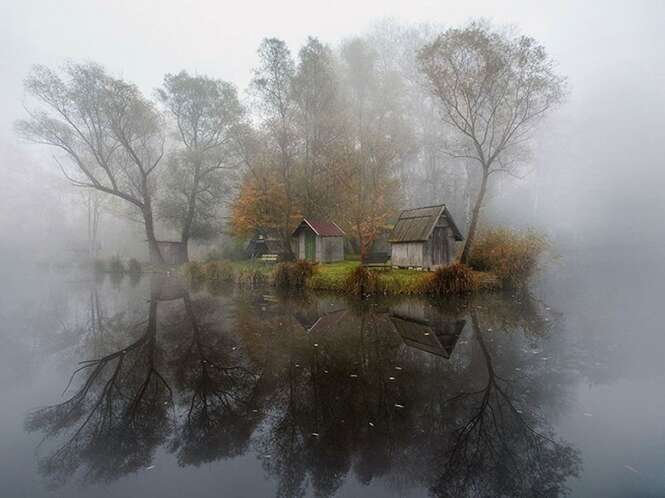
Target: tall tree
493	89
273	84
207	113
378	142
109	135
320	126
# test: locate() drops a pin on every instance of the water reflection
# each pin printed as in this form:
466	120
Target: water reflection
452	398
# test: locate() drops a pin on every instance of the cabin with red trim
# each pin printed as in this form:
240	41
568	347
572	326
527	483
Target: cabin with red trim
319	241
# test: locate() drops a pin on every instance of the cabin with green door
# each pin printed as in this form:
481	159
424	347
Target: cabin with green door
319	241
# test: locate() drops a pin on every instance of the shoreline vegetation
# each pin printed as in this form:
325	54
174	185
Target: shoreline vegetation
502	258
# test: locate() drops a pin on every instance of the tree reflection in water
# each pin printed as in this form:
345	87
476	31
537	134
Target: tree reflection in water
445	396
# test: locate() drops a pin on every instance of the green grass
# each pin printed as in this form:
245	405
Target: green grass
333	277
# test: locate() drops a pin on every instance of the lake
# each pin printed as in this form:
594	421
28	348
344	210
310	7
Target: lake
146	387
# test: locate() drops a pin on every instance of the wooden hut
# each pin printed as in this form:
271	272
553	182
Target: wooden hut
266	245
319	241
424	238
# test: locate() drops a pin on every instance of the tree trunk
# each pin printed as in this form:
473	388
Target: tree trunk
153	247
187	226
466	253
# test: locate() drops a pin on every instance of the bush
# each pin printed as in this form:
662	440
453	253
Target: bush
456	278
293	274
361	281
116	265
194	272
511	255
218	271
134	267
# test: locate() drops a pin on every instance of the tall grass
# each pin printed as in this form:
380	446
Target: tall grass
218	271
453	279
293	274
194	272
362	281
511	255
250	277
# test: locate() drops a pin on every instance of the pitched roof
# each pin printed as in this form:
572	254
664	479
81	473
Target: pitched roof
321	228
439	340
416	225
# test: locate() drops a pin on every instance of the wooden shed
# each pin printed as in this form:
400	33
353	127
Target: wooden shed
319	241
424	238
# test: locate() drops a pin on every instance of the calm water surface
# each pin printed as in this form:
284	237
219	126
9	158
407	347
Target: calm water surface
147	388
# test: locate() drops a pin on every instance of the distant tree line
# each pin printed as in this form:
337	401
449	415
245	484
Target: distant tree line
400	116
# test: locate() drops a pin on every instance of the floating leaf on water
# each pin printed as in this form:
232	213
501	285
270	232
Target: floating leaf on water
391	378
397	405
398	368
371	424
150	467
315	434
353	376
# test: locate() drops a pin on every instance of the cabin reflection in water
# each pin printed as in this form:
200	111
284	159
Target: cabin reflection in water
423	328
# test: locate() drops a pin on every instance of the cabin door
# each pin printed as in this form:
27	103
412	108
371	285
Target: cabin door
439	247
310	246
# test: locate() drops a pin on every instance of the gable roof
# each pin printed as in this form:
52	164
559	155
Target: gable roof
438	340
321	228
416	225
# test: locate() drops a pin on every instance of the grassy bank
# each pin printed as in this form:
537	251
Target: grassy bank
344	277
338	277
502	258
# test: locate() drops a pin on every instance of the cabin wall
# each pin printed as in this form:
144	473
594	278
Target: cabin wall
329	249
300	245
406	254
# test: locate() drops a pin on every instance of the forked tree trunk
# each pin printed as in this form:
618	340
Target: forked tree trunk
466	253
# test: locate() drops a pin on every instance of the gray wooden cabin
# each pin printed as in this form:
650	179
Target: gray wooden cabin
319	241
424	238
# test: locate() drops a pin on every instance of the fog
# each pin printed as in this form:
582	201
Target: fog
597	167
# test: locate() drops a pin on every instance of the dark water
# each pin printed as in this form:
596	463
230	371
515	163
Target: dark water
147	388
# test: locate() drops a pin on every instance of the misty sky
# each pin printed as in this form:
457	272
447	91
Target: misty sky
602	147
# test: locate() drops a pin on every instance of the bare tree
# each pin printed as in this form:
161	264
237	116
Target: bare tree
206	113
109	134
493	89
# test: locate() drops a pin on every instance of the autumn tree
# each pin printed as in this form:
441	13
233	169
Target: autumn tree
108	135
206	113
492	89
